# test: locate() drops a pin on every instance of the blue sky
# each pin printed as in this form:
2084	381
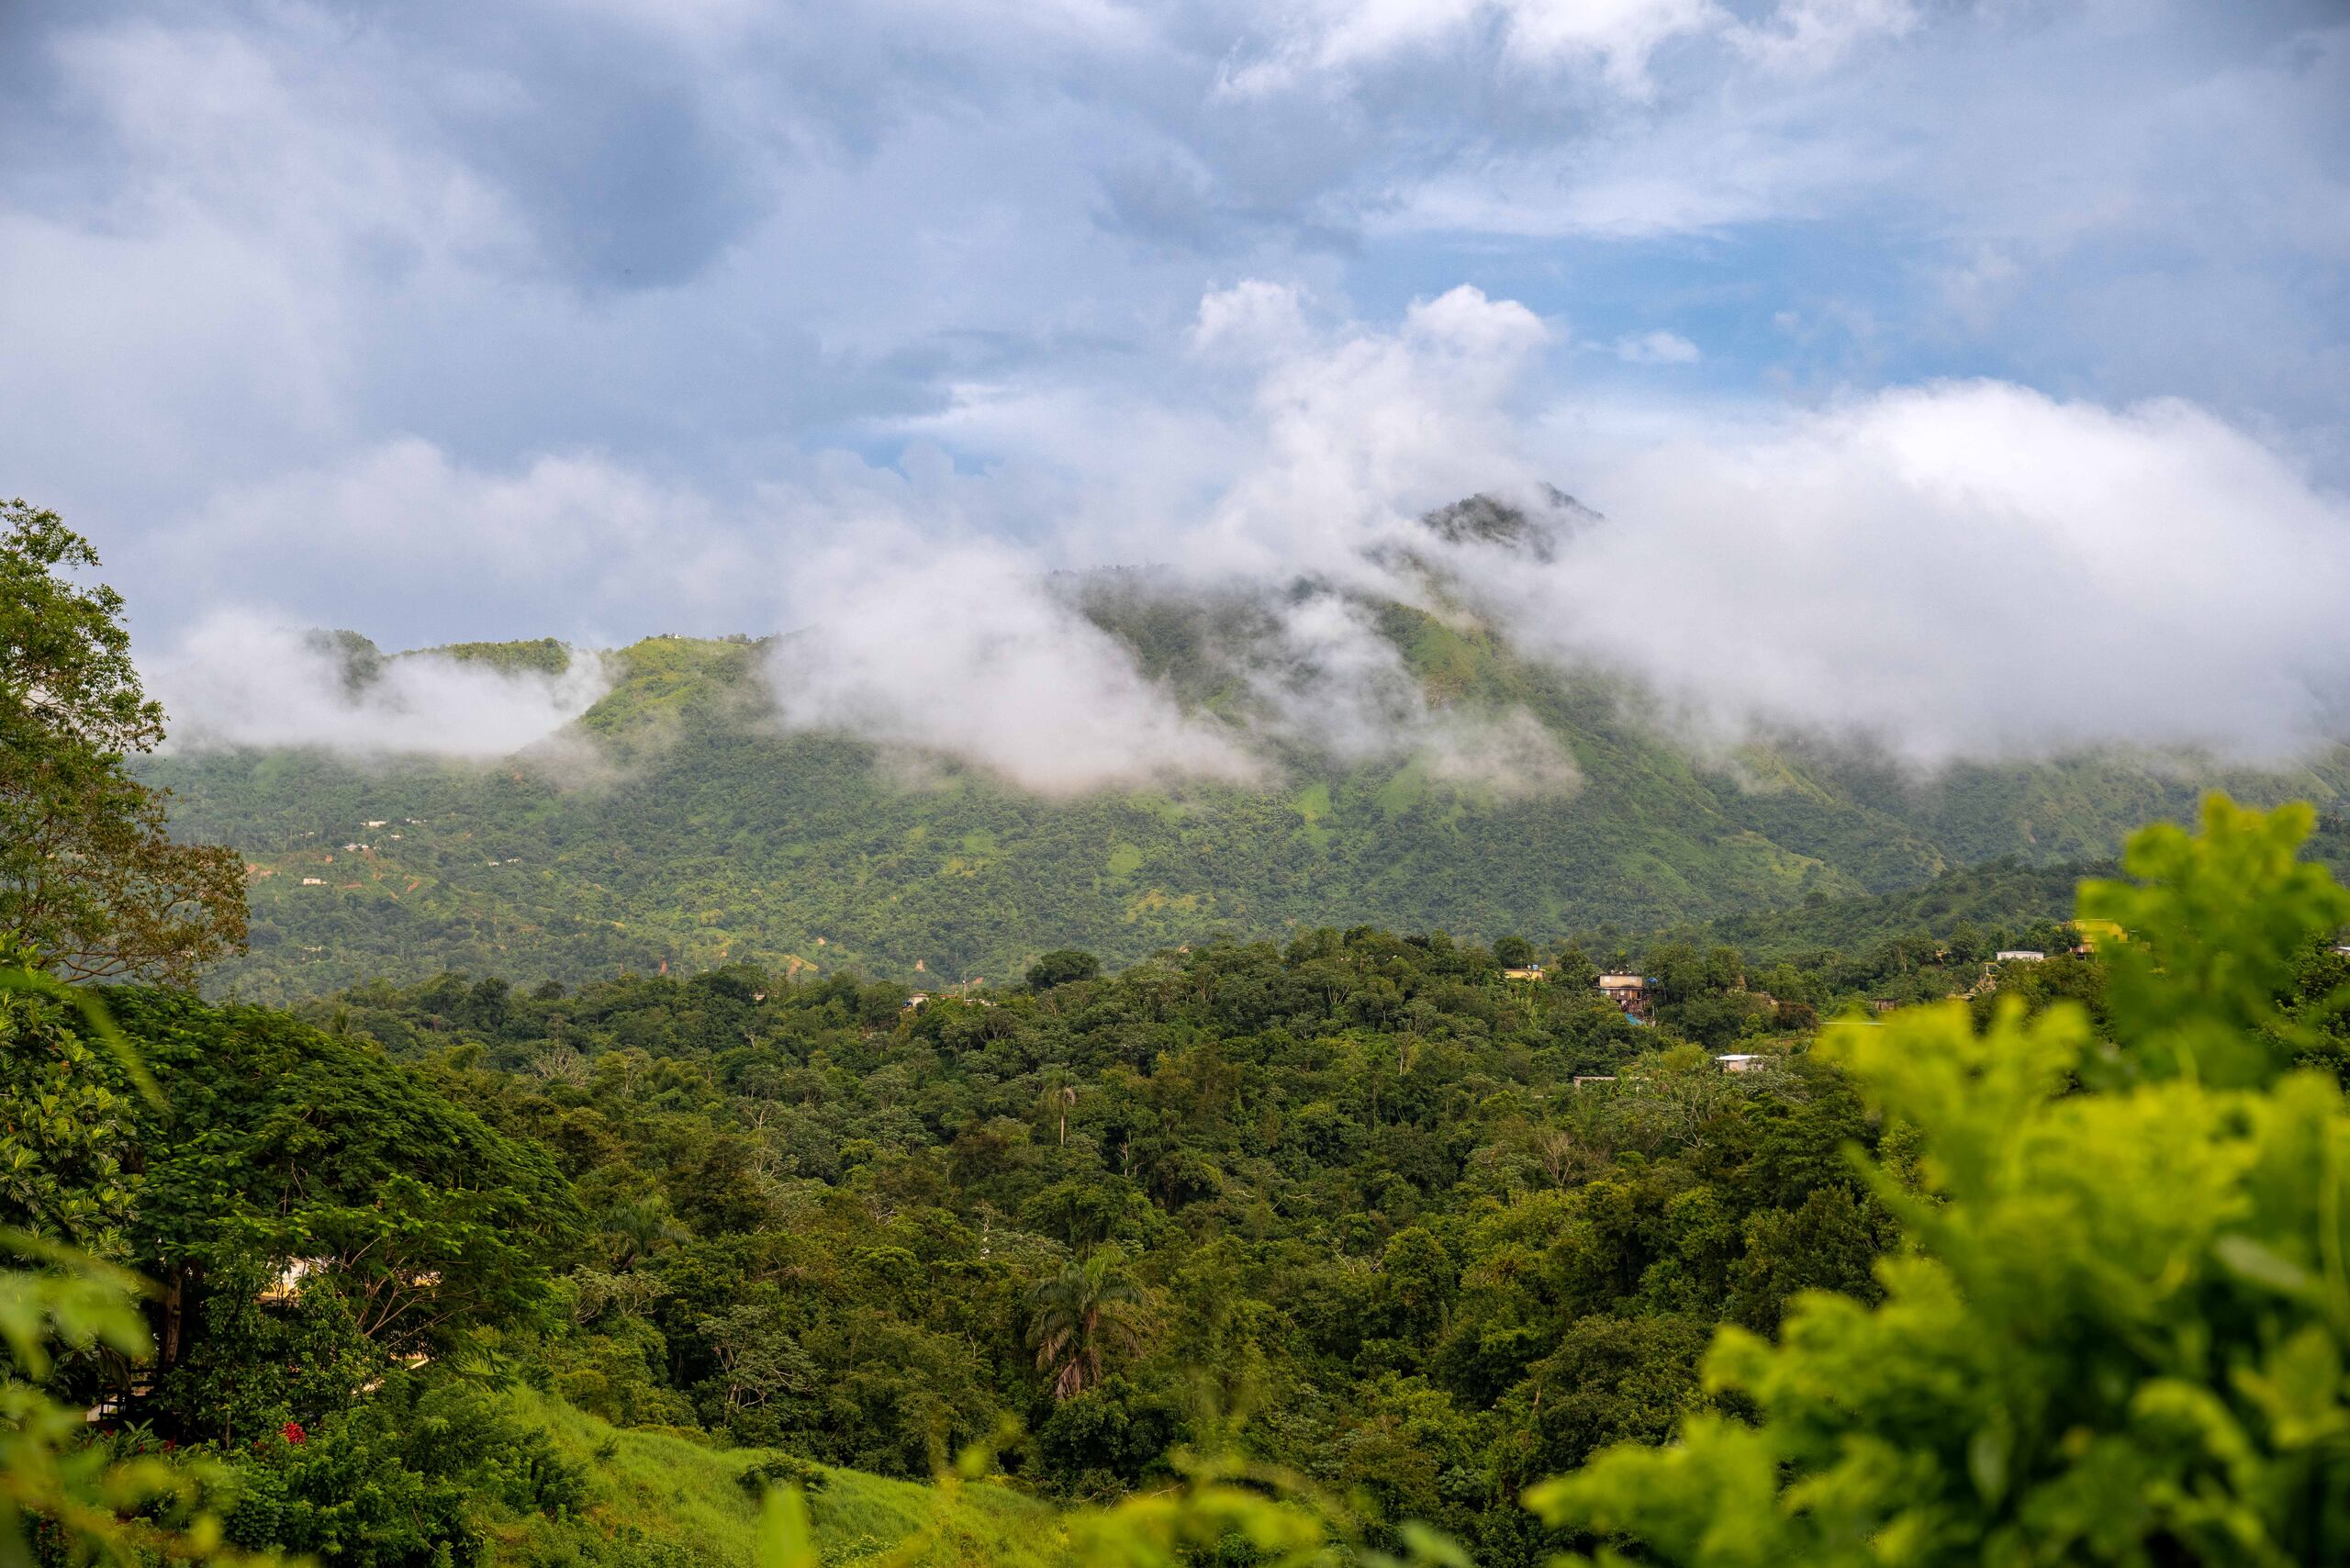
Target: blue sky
452	320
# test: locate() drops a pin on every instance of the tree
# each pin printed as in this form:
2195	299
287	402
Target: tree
2123	1331
1060	1096
1062	966
91	884
1082	1312
64	1497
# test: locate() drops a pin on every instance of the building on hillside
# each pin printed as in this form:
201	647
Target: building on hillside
1531	972
2020	955
2087	933
1632	995
916	1000
1740	1062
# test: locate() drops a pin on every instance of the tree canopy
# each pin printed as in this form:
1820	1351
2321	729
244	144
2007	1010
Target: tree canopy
91	884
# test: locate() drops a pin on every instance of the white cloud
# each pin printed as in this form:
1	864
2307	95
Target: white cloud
962	650
1658	347
1330	683
241	679
1968	569
1619	36
591	538
1356	433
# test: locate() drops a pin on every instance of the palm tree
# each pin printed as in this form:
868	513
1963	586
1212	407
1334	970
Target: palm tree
1058	1098
1081	1312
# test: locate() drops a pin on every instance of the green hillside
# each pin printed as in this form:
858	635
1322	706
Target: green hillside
702	836
658	1497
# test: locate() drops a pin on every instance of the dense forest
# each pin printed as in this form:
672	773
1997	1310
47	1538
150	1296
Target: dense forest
1357	1209
676	826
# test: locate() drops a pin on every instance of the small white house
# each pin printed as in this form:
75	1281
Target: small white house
2021	955
313	881
1740	1061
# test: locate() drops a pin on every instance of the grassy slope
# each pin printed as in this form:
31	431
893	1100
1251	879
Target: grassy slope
709	838
668	1498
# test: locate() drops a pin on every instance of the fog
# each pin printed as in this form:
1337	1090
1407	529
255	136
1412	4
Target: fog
241	680
967	653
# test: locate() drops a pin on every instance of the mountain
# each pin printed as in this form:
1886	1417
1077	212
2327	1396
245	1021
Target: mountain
693	831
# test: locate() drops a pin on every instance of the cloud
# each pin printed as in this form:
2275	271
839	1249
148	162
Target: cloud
1316	446
1329	682
608	319
242	680
1960	569
1967	569
1656	348
405	520
1619	36
1354	433
963	651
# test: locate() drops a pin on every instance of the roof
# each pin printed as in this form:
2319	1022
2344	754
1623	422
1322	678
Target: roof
1624	983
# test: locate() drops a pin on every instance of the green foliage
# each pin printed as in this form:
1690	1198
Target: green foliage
1367	1228
1062	966
410	1477
2122	1336
540	655
92	885
2217	926
62	1494
1084	1313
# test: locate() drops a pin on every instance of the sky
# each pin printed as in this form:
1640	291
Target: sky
1906	345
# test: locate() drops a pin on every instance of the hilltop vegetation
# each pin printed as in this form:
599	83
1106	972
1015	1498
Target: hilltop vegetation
699	834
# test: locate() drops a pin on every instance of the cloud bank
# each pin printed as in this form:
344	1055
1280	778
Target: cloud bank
1968	569
238	681
1960	569
965	652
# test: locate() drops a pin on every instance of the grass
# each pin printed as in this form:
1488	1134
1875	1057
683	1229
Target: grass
665	1498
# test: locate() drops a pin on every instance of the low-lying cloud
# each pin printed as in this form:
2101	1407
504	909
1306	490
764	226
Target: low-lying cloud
967	652
1957	570
1964	570
242	681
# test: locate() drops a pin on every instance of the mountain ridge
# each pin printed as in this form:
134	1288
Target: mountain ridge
699	832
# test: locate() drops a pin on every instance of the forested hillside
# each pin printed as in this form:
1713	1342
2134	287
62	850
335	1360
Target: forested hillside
1358	1211
694	833
1350	1247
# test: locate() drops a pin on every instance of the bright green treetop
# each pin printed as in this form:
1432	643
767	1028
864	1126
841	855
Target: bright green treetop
2122	1335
